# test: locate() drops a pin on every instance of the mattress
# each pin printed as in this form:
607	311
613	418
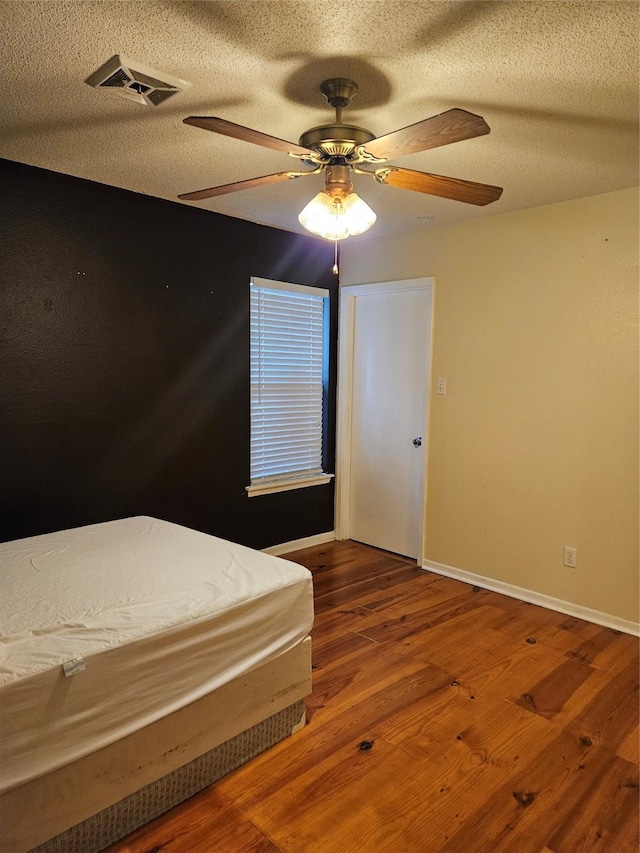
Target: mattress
110	627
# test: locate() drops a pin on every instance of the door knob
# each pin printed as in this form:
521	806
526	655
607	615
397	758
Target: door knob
417	441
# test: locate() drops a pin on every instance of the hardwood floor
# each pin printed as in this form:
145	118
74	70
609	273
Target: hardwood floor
443	717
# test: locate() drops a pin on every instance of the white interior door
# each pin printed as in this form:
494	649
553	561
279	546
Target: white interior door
385	468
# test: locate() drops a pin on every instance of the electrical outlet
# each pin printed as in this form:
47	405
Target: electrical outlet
570	557
441	386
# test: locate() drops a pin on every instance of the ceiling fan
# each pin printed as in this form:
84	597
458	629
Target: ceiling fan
339	149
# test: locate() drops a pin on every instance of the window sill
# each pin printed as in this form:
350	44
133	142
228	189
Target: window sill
284	485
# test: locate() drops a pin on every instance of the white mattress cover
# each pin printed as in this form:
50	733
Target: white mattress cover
160	615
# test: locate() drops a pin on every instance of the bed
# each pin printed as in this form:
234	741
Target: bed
140	661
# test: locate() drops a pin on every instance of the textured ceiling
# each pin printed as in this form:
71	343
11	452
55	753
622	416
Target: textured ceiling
557	83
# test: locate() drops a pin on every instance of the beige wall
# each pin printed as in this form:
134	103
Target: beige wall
535	445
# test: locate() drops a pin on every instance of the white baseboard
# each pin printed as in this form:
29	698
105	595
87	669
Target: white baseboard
298	544
548	601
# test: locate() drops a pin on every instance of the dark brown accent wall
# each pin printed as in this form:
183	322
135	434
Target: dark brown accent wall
124	351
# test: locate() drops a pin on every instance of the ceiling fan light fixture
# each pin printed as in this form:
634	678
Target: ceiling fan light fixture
336	216
340	150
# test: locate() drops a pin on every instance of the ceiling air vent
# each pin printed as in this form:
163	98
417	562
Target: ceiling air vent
135	81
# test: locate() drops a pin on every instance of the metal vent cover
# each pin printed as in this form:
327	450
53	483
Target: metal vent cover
118	78
135	81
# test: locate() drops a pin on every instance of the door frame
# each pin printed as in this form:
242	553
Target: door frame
347	296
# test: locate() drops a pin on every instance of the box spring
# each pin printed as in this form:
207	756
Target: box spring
122	818
227	727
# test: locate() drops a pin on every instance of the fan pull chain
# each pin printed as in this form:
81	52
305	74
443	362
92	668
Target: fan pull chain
335	258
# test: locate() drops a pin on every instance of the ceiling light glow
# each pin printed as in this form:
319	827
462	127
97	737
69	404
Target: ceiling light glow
336	215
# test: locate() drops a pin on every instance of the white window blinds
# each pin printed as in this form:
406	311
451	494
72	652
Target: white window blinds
287	380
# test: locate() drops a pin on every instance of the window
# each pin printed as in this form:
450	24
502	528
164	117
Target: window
289	361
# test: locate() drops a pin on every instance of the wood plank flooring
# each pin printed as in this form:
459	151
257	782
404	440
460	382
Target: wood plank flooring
443	718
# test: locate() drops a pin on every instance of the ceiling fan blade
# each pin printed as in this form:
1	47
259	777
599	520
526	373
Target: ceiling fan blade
247	134
452	188
276	178
452	126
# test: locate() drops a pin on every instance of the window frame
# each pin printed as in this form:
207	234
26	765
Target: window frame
285	482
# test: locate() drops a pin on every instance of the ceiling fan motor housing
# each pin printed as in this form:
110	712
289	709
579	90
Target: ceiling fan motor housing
335	140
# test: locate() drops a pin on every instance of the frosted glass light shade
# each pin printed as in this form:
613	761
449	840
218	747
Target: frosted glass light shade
336	218
325	217
359	215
